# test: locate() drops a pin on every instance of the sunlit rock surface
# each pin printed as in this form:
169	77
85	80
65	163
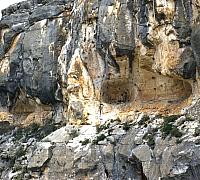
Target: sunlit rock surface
69	67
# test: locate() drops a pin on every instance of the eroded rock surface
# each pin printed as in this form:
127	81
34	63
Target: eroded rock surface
84	58
70	67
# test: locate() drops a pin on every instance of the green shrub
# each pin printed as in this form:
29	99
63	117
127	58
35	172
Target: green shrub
18	134
126	126
175	132
171	118
149	137
99	138
168	128
35	127
102	127
85	142
110	131
144	120
20	152
151	141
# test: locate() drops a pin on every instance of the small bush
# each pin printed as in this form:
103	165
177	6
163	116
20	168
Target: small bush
18	134
166	129
197	141
171	118
99	138
20	152
144	120
126	126
149	137
175	132
169	129
17	167
118	119
178	141
154	130
102	127
35	127
31	129
151	141
110	131
85	142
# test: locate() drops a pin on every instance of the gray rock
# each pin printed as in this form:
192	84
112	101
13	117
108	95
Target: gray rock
41	155
142	152
45	12
91	60
62	135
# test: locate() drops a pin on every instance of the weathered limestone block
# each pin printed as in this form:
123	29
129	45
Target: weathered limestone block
41	155
62	135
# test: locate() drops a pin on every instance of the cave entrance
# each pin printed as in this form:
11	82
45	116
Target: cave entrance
146	87
116	91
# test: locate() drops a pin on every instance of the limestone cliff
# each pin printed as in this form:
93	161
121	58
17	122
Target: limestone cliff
100	89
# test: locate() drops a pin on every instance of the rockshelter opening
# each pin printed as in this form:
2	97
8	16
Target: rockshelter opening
145	87
116	91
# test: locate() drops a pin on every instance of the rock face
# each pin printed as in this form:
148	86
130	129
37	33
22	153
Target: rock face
80	59
68	65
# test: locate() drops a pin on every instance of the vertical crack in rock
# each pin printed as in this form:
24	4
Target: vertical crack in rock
103	161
